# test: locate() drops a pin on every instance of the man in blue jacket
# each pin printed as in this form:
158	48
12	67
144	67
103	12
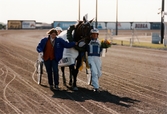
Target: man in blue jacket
51	50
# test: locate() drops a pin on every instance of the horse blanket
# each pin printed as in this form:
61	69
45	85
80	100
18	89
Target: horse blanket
69	54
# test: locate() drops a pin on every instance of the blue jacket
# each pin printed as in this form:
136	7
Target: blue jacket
59	46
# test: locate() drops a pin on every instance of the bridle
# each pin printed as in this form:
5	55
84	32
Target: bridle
85	29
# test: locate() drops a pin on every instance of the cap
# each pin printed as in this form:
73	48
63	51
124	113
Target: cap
59	28
94	31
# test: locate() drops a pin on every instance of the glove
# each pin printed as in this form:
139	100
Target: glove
40	56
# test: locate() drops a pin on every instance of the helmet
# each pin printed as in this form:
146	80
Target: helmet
95	30
59	28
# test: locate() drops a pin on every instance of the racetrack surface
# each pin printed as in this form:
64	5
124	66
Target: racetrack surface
134	81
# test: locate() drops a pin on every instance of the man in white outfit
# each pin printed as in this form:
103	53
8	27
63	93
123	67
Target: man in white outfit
94	60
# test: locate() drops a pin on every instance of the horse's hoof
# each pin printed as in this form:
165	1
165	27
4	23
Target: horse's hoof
75	88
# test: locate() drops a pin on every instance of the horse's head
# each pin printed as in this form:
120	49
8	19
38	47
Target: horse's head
82	30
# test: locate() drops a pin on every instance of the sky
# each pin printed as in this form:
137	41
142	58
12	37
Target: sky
67	10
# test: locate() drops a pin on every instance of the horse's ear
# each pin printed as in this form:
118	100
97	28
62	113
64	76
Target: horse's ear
91	20
84	19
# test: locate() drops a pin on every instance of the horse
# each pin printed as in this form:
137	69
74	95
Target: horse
81	34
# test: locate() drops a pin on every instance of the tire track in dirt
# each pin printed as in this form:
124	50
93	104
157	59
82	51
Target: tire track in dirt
130	89
28	100
136	50
14	56
152	91
125	69
79	104
68	96
33	77
33	73
129	62
125	83
138	109
60	109
1	69
107	84
55	104
133	81
2	112
11	106
7	101
33	62
96	103
101	105
4	85
4	76
146	100
117	81
25	100
7	74
127	89
128	66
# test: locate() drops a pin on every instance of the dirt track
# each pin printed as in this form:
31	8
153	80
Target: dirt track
134	81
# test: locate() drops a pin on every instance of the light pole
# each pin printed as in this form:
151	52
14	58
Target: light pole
96	14
79	10
116	24
162	21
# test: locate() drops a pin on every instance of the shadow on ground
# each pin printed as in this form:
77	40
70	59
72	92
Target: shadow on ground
84	94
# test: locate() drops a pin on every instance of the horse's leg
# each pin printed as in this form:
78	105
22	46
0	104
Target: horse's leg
88	72
63	75
71	69
75	72
89	77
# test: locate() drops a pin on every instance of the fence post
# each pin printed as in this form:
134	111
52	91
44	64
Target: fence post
121	43
130	42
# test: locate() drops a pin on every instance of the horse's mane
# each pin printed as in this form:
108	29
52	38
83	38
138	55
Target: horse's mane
77	32
78	24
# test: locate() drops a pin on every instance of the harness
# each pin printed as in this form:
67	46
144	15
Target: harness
85	32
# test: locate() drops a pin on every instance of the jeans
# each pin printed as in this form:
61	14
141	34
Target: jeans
52	66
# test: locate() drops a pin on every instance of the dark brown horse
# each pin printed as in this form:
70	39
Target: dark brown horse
81	34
